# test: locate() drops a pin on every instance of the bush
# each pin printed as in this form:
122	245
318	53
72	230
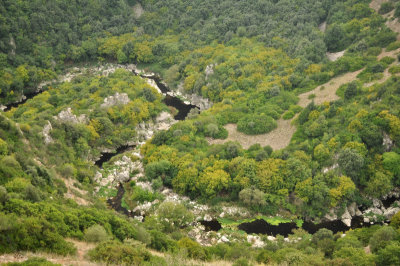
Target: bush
161	241
351	90
394	69
387	60
395	221
397	11
173	216
356	256
321	234
3	147
142	235
241	262
381	238
288	115
96	233
393	46
212	130
163	169
33	262
32	194
390	255
194	249
386	8
114	252
3	195
142	195
256	124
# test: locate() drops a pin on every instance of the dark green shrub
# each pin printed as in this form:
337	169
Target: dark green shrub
194	249
393	46
386	8
96	233
390	255
387	60
114	252
288	115
256	124
163	169
161	241
381	238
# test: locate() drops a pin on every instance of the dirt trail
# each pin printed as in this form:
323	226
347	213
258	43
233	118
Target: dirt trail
327	92
392	23
386	74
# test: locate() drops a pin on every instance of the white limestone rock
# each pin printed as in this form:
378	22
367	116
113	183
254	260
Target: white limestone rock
66	116
46	133
390	212
116	99
346	218
255	241
224	239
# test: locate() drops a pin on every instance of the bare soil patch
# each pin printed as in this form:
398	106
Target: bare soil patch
322	26
376	4
327	92
278	138
393	24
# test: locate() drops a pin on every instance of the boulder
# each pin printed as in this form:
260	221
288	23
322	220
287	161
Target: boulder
331	216
207	218
352	209
67	116
346	218
255	241
46	133
390	212
377	203
224	239
116	99
374	210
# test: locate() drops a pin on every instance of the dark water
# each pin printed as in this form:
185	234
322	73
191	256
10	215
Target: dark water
115	202
260	226
16	104
105	157
178	104
389	201
183	109
212	225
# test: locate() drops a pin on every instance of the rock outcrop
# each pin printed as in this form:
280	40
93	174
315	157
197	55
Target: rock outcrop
116	99
66	116
46	133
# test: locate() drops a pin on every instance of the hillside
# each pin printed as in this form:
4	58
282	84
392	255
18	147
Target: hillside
200	132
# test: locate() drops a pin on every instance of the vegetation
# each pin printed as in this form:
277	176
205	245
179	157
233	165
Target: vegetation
252	60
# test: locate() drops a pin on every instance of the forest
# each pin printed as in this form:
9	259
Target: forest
301	126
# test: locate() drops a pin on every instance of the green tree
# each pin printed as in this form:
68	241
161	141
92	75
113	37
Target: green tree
96	233
173	216
351	162
381	238
389	255
354	255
